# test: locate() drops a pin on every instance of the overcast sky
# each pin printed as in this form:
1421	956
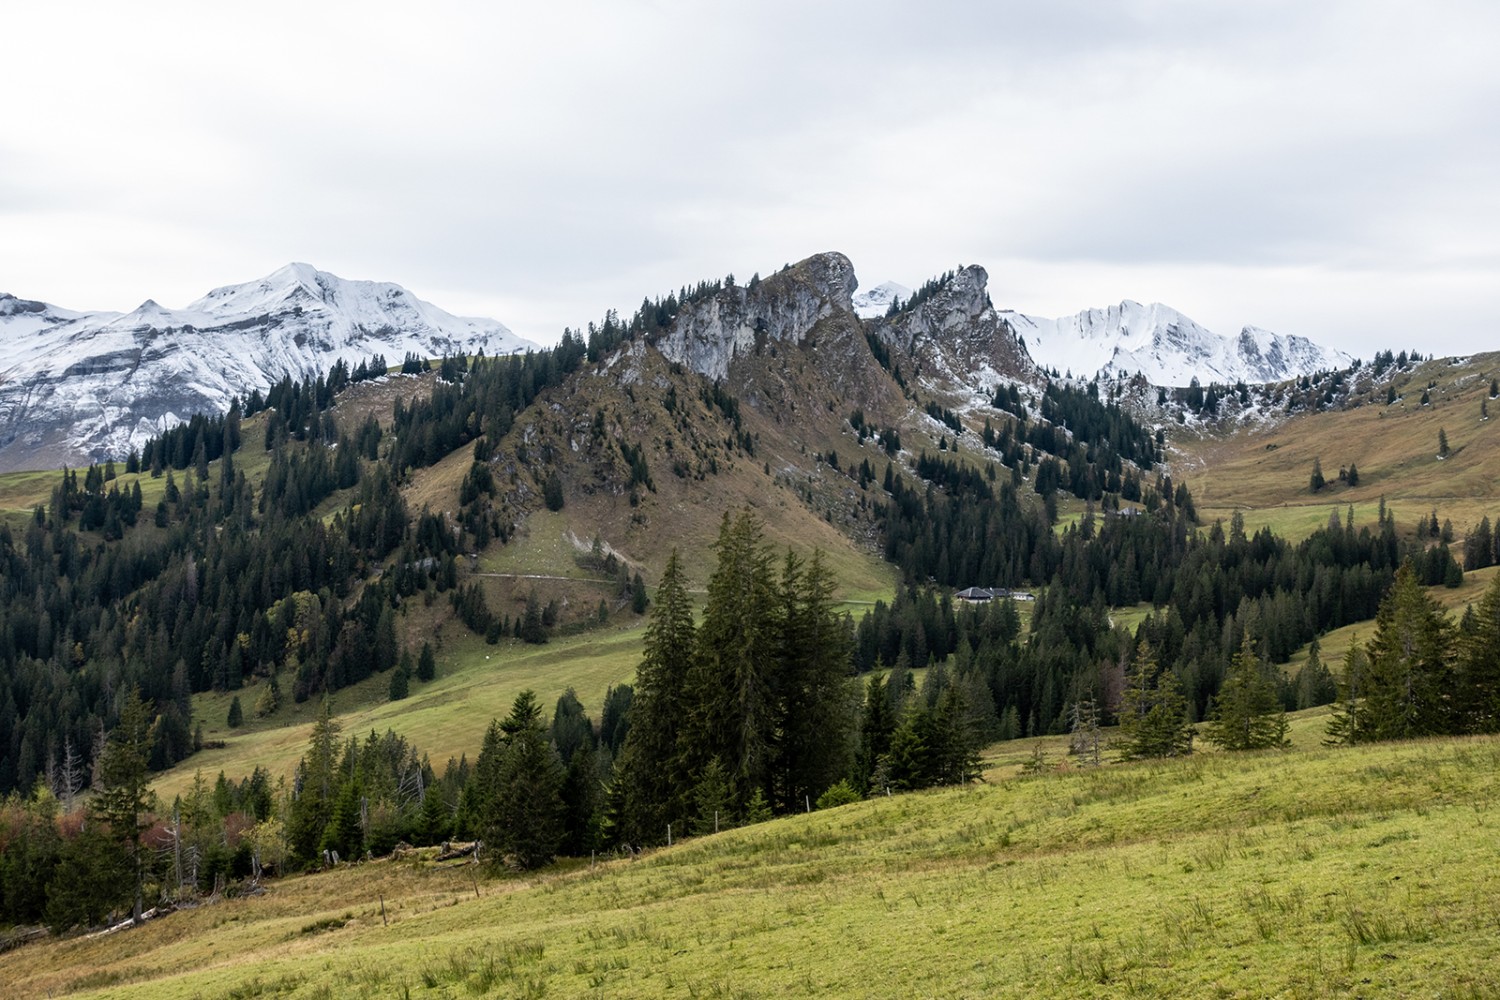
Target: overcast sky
1324	169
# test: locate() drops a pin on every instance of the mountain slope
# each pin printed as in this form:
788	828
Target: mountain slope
77	387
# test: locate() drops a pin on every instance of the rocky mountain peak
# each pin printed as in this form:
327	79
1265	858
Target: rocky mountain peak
739	319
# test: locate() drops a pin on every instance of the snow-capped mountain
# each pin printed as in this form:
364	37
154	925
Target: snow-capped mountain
874	302
1165	347
77	387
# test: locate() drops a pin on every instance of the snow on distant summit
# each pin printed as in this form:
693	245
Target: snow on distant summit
873	303
78	387
1165	347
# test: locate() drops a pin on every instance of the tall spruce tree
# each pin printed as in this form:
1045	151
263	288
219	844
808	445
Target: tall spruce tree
652	776
526	821
1410	675
315	787
732	710
815	694
123	791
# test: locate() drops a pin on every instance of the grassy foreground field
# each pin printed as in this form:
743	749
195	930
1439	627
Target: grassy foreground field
1316	872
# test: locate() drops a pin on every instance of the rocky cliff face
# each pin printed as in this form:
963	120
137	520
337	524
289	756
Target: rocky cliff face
954	342
782	309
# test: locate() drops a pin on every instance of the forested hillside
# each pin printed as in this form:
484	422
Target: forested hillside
328	532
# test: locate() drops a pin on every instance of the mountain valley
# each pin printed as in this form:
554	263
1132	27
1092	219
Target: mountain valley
518	516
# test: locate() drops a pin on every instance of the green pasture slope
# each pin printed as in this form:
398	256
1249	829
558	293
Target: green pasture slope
1315	872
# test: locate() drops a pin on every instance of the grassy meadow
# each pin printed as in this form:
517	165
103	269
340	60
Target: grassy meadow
445	717
1309	873
1264	472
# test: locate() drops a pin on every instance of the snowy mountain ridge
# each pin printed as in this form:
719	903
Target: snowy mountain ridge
81	386
1154	341
1165	347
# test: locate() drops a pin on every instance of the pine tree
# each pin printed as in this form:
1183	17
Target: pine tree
526	821
1247	715
122	793
1316	482
345	832
316	785
1314	684
1442	443
1153	713
426	663
730	688
1477	692
400	684
1408	678
712	800
1343	720
877	724
812	689
652	772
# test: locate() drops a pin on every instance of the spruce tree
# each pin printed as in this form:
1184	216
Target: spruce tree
1153	713
122	791
426	663
345	832
1343	720
1409	675
526	818
552	491
236	714
316	785
712	801
434	822
730	688
877	724
652	773
95	874
813	690
1314	684
532	629
1247	715
1477	691
400	685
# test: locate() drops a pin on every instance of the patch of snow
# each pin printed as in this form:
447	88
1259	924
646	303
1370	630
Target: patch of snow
873	303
